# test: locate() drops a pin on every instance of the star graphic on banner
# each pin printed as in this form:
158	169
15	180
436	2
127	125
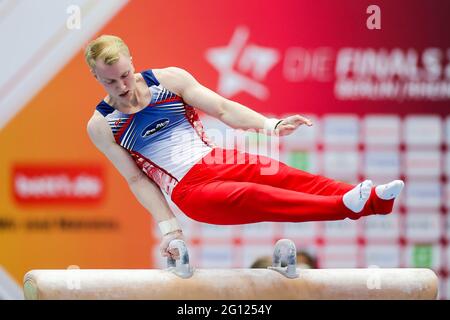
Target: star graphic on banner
236	60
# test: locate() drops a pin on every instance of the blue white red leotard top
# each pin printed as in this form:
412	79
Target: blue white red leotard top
165	138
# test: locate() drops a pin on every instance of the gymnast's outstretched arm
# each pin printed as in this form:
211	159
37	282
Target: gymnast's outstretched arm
232	113
145	190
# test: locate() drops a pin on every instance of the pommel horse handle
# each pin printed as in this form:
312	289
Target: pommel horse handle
287	247
182	268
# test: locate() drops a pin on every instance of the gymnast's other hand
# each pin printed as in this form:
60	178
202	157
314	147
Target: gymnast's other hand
164	246
289	124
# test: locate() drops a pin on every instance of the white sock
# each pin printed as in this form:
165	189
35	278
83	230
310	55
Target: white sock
390	190
356	198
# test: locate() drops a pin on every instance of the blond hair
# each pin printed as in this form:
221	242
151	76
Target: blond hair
107	48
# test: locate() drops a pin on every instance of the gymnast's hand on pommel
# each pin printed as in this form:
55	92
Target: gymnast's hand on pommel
289	124
164	246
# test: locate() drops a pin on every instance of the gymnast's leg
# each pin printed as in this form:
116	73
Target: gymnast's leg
231	202
245	167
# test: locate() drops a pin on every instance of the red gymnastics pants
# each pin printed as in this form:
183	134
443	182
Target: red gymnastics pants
228	187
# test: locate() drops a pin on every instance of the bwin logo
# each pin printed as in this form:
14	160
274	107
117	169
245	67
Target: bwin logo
155	127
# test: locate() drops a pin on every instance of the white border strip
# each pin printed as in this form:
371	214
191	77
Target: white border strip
9	289
45	46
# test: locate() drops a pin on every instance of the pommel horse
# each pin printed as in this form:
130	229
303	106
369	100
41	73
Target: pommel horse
179	281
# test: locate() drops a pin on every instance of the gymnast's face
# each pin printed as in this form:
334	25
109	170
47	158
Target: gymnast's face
118	78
